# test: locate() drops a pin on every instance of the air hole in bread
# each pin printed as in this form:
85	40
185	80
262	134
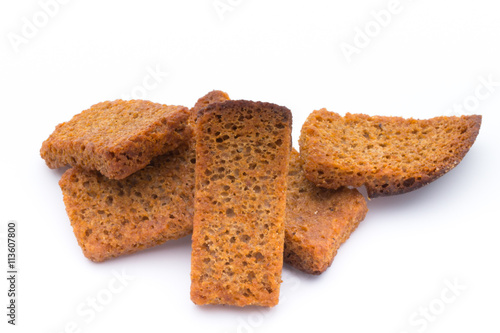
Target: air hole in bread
245	238
230	212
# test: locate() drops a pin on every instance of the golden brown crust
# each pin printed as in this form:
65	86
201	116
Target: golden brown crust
215	96
318	220
116	138
389	155
117	217
242	152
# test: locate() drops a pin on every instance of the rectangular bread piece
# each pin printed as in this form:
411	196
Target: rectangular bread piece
117	217
116	138
242	154
318	220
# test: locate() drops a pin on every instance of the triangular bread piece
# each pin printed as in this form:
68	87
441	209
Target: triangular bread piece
318	220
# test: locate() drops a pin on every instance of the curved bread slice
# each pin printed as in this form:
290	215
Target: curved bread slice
389	155
116	138
242	154
318	220
116	217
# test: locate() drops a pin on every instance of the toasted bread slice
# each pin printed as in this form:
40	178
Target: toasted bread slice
389	155
111	217
318	220
116	138
242	154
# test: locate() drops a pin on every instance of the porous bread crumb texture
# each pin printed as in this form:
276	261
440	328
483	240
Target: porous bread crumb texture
242	153
117	138
215	96
117	217
318	220
389	155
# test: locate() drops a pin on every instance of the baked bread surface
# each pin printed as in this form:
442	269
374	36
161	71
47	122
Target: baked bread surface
242	154
215	96
116	138
389	155
318	220
111	217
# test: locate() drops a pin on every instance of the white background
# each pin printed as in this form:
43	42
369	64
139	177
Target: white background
401	259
